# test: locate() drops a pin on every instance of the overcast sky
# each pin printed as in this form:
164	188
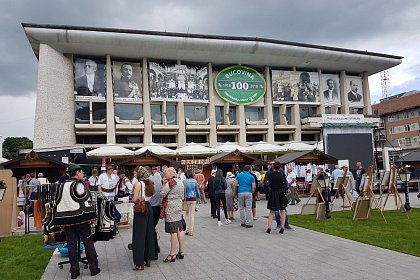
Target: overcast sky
390	27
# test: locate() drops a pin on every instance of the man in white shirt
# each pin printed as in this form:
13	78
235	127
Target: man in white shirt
107	184
291	180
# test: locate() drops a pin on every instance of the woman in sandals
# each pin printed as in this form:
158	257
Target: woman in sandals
173	192
192	195
143	244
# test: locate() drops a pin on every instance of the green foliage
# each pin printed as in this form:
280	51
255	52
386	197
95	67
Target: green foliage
398	234
23	257
12	145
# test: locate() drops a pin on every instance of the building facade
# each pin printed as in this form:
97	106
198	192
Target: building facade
99	85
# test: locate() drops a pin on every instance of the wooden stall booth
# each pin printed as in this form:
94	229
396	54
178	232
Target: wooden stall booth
146	159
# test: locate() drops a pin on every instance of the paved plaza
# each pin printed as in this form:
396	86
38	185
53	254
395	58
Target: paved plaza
233	252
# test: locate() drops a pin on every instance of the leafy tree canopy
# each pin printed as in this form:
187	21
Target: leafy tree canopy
12	145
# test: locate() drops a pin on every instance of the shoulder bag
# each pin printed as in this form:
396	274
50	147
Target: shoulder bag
140	206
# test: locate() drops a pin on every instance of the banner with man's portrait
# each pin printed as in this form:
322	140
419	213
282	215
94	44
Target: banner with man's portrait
354	91
127	81
173	82
89	78
294	87
331	89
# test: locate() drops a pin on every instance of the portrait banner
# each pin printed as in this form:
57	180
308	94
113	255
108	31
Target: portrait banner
294	87
127	81
89	78
174	82
354	91
331	89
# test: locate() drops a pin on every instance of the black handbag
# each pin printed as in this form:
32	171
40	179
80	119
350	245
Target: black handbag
184	224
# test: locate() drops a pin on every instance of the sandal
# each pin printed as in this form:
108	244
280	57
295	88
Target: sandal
180	255
169	258
147	264
138	267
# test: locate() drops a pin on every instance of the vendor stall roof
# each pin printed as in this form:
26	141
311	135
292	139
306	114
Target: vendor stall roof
204	48
410	157
306	157
235	157
148	158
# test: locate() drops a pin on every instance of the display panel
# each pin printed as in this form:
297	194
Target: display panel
331	86
175	82
294	87
127	80
354	91
89	78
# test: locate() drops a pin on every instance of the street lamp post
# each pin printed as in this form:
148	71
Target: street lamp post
405	175
324	183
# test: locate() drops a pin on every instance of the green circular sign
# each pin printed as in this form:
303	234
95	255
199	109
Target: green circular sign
240	85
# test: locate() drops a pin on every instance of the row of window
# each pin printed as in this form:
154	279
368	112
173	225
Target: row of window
95	113
404	128
404	115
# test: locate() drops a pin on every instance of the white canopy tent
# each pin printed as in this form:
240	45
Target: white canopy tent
110	150
2	159
230	147
298	146
156	149
195	149
266	148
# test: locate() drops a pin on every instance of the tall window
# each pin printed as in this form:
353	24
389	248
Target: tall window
156	112
232	115
307	112
128	111
220	116
81	110
195	113
276	115
99	112
171	114
289	115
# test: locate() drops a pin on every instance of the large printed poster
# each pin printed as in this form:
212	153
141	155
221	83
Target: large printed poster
175	82
89	78
331	89
354	91
294	87
127	81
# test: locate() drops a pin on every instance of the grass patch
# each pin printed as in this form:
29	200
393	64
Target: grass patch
22	257
399	234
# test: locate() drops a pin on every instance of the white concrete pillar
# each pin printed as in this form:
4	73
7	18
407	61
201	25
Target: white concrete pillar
147	116
268	108
212	110
321	108
297	122
367	106
343	94
110	122
242	125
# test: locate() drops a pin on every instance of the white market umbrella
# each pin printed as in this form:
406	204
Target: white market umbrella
2	159
264	148
298	146
110	150
156	149
195	149
230	147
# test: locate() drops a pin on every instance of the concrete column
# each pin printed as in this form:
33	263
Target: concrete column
242	125
297	122
367	108
343	94
54	101
268	108
211	108
147	136
182	136
321	109
110	122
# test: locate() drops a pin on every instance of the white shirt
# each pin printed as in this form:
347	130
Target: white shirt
108	182
93	180
80	188
289	178
90	81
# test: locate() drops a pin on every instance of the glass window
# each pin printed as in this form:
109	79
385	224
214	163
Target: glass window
308	137
307	112
254	113
90	139
281	137
276	115
81	110
129	139
232	115
254	138
164	139
156	112
327	110
219	114
226	138
196	113
171	114
197	138
289	119
128	111
99	112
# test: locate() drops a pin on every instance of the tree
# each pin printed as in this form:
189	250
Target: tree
12	145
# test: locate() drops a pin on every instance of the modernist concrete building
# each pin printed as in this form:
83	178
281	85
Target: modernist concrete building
164	87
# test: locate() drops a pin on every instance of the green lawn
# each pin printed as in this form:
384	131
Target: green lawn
399	234
22	257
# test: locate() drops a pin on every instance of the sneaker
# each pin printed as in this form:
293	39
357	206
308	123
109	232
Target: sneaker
249	226
255	218
228	221
297	201
289	228
242	225
219	223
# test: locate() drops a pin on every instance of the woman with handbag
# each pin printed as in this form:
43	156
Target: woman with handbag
143	244
173	193
220	187
192	195
229	194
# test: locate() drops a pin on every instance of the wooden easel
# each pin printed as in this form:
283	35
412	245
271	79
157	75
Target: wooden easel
394	192
342	182
315	192
368	194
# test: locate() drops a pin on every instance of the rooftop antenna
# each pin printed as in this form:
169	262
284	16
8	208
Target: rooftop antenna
385	83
